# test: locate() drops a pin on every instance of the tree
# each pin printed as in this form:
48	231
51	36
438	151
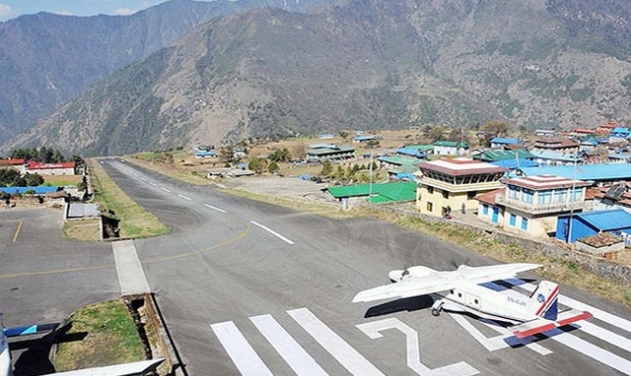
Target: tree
496	128
435	133
372	144
299	151
273	167
344	135
327	168
226	154
8	177
33	180
280	155
258	165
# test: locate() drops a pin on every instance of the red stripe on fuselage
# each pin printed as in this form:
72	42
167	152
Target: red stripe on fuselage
548	300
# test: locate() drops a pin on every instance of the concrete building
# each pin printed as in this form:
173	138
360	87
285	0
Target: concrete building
533	204
558	144
333	153
450	148
452	184
65	168
570	228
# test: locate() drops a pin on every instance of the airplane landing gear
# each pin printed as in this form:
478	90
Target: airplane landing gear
436	308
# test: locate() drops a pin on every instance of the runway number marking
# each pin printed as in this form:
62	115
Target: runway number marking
242	354
413	351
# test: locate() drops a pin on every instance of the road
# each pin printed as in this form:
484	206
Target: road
255	289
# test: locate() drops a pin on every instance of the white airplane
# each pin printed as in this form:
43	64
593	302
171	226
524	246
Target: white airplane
460	291
127	369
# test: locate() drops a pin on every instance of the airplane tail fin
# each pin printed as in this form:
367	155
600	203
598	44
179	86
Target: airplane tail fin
543	301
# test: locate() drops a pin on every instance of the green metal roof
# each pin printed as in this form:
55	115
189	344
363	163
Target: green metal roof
424	148
399	160
501	155
384	192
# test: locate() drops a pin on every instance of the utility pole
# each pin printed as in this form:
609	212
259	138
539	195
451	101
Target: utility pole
370	185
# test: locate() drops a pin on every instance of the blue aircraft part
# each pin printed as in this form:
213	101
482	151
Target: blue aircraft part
28	330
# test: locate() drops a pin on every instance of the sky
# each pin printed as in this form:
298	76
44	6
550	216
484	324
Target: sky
13	8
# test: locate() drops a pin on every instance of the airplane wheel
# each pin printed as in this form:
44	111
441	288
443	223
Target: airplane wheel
435	312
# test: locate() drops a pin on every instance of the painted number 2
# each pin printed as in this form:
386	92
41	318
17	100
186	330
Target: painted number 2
374	329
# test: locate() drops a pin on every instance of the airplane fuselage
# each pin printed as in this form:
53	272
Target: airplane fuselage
484	302
5	355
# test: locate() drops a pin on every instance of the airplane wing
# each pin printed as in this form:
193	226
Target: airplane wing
482	274
540	325
415	286
442	281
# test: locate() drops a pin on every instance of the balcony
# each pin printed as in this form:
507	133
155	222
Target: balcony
555	207
455	188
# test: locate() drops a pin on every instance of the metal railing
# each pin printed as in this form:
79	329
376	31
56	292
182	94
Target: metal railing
538	208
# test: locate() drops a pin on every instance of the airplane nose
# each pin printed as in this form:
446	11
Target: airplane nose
395	275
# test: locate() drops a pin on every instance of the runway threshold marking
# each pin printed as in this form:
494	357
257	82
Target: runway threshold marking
214	208
298	359
242	354
347	356
272	232
17	231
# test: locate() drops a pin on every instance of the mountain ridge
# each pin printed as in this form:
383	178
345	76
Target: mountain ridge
359	64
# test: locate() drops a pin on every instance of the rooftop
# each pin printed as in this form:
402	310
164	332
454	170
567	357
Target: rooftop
385	192
497	155
505	141
596	172
461	166
544	182
607	220
555	155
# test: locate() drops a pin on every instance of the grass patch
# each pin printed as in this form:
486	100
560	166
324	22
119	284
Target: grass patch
110	338
157	162
61	180
86	229
135	221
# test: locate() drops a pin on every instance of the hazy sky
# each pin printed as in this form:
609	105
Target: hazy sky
14	8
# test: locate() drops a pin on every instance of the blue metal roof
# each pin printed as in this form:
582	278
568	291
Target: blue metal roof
597	172
412	151
38	190
505	141
621	130
607	220
512	163
620	156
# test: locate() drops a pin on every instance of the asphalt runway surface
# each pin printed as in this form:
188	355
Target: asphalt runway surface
255	289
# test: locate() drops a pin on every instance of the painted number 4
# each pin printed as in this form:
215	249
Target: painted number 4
374	329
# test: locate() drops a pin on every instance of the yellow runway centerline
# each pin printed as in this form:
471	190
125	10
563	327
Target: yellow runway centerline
241	235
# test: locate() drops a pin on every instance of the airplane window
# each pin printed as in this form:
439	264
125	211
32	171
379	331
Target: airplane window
459	295
476	301
451	291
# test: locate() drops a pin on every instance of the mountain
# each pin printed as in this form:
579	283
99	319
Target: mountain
360	64
48	59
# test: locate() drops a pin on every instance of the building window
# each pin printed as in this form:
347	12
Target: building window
471	194
512	220
430	190
524	223
485	209
445	194
430	207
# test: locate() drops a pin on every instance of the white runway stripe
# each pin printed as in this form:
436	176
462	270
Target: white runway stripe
184	197
214	208
164	189
242	354
272	232
298	359
612	360
348	357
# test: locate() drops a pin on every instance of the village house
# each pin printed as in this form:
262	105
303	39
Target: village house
17	164
502	142
532	204
557	144
553	158
331	152
452	184
64	168
450	148
606	128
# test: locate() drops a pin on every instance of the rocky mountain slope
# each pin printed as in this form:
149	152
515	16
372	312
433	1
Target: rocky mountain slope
48	59
361	64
